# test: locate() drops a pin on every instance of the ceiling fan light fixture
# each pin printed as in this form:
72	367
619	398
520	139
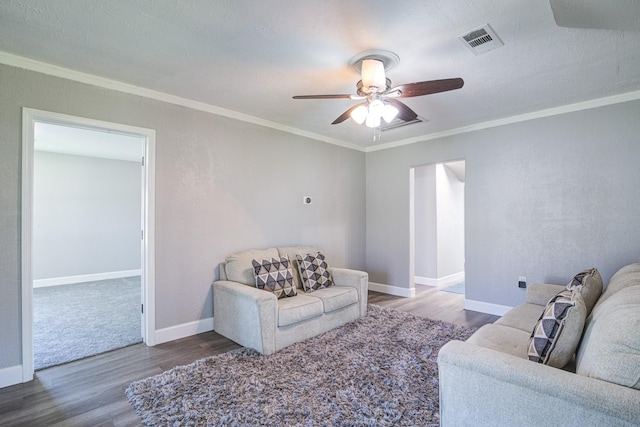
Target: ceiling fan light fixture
373	74
373	121
376	110
359	114
389	112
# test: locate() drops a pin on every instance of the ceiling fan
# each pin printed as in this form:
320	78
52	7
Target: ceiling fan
380	99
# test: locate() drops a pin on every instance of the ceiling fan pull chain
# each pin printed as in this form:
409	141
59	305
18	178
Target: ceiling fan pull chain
377	134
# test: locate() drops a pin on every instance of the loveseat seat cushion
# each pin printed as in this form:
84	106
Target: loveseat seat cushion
299	308
502	338
523	317
238	266
610	348
336	297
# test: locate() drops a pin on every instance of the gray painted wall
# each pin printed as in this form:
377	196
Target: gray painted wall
545	199
86	215
425	222
221	186
450	225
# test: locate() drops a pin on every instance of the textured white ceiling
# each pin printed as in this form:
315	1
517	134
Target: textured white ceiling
252	56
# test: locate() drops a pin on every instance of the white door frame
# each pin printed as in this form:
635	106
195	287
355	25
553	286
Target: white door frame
29	117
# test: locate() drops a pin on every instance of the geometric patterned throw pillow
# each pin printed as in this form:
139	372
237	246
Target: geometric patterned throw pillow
579	279
589	284
557	333
314	272
275	275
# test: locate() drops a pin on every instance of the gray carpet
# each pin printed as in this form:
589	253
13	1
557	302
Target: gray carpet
377	371
458	288
71	322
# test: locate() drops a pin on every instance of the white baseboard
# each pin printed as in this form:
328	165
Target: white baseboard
418	280
10	376
486	307
184	330
55	281
451	279
392	290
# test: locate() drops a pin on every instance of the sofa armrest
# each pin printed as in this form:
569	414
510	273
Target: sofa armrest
355	278
541	293
246	315
481	386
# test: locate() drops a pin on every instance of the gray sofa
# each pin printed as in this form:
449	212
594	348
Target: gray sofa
257	319
490	381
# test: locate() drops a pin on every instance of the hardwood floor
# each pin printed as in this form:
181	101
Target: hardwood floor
435	304
90	392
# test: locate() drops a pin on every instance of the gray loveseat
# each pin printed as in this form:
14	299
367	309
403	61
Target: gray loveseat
257	319
490	381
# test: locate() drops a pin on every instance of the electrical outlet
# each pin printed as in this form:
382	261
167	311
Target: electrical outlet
522	282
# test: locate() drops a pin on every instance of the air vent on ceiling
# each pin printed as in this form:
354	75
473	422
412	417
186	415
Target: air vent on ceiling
397	123
481	40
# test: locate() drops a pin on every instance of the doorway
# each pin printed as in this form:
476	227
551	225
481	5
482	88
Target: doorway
437	225
87	228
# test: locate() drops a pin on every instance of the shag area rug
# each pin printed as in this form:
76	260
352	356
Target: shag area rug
379	370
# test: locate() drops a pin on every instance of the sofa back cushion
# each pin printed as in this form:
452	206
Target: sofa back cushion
239	267
610	347
629	275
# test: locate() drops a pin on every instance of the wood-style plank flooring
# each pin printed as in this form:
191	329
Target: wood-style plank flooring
90	392
435	304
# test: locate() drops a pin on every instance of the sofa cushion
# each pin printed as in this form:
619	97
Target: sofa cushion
239	268
502	338
523	316
314	272
557	333
589	284
610	348
629	275
336	297
291	252
294	310
275	275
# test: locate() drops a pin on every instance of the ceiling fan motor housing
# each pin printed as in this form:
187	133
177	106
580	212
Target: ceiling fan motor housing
363	90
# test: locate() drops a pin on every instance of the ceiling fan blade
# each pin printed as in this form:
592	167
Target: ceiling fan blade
404	112
321	96
344	116
426	88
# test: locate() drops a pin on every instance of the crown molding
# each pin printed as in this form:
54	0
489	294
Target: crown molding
91	79
578	106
